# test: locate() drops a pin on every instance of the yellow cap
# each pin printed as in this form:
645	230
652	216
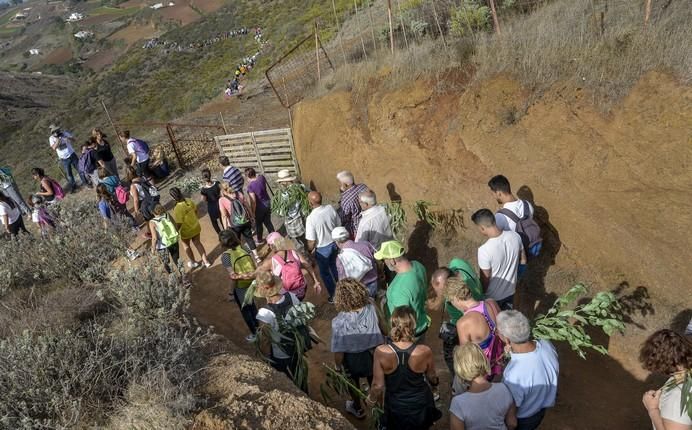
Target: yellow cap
390	249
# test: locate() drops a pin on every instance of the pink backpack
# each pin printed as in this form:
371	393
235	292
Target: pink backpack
57	189
291	274
122	194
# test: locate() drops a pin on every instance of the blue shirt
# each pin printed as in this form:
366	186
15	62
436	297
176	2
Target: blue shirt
532	378
104	209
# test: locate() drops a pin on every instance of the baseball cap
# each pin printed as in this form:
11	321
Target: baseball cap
340	233
390	249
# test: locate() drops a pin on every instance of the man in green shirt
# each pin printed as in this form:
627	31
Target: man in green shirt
409	287
457	268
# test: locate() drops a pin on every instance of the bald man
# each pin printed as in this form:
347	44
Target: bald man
318	232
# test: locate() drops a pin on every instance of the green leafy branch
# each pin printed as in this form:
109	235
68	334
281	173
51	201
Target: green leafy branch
339	382
685	393
449	220
569	325
286	200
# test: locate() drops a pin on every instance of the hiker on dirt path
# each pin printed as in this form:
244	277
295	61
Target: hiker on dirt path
164	238
11	217
532	372
356	260
109	207
187	223
87	165
61	142
349	204
516	215
448	331
293	218
409	287
374	224
259	202
241	270
9	188
405	370
355	334
233	176
49	190
478	324
318	232
139	152
668	353
145	196
499	259
279	347
211	193
235	216
485	405
104	154
288	264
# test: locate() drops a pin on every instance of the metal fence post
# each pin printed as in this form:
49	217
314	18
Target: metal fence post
171	137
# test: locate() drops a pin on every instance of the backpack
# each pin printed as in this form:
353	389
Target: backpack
166	231
527	228
140	146
355	264
87	162
242	262
150	198
287	343
122	194
239	215
57	189
291	275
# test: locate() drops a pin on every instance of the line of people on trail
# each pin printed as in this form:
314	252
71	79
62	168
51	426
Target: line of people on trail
218	37
233	86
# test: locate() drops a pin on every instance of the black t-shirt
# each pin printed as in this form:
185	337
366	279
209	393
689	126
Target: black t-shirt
213	194
103	152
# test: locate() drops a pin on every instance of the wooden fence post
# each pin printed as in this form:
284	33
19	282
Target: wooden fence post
372	29
317	51
360	30
439	27
647	12
223	123
496	22
401	20
115	129
338	29
391	28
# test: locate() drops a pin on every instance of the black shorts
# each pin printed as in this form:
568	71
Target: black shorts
358	364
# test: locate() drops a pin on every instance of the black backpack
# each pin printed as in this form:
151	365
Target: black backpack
150	199
288	343
527	228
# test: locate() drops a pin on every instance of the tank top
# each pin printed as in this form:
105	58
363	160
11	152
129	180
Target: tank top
408	399
492	346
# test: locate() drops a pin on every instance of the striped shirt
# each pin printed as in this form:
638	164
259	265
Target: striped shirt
234	177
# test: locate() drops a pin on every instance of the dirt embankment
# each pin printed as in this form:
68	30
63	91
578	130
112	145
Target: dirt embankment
614	186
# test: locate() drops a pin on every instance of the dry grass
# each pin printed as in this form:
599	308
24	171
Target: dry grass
559	42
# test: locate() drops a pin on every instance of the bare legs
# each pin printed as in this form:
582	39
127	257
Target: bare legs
200	249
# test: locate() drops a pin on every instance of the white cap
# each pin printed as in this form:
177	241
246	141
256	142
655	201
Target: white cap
340	234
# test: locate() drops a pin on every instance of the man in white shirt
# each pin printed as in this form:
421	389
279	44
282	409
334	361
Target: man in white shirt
139	157
498	259
532	372
318	232
61	142
374	222
501	189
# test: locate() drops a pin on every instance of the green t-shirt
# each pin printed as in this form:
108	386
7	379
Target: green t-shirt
464	270
410	289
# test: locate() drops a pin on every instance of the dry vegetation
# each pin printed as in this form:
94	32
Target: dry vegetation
562	41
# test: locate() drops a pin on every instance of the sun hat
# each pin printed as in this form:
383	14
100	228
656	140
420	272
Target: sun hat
340	234
53	128
285	176
390	249
263	292
273	237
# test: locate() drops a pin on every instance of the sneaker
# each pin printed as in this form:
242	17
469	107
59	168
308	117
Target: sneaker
132	254
207	265
351	409
250	338
192	264
330	300
436	394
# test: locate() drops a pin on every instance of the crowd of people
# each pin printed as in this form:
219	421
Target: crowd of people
503	378
218	37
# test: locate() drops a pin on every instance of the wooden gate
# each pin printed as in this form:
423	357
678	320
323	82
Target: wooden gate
267	151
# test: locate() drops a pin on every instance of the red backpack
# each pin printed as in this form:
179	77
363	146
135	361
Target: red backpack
291	274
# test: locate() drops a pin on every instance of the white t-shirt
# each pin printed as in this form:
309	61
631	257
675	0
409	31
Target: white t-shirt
517	206
320	223
532	378
12	214
670	406
267	316
141	156
485	410
501	255
64	149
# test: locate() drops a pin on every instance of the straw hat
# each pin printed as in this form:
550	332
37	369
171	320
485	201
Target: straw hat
285	176
264	291
53	128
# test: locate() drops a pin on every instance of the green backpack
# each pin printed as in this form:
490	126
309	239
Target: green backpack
166	230
242	263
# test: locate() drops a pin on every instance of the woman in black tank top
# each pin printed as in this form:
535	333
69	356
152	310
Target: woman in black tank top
405	371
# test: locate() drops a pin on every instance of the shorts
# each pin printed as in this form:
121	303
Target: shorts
358	364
